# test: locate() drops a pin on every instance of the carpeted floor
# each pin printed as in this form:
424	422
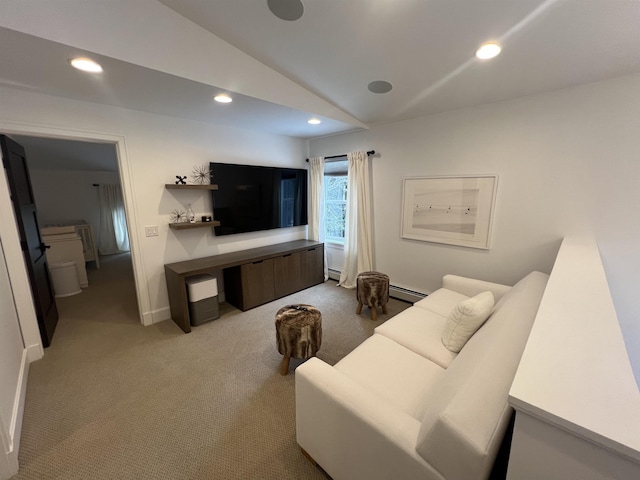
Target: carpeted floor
112	399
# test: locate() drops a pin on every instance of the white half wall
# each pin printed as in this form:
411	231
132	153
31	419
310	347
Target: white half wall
576	400
567	163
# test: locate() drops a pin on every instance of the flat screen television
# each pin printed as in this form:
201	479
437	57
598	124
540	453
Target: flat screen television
253	198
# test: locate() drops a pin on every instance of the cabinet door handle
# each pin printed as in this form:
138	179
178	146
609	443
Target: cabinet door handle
287	255
260	261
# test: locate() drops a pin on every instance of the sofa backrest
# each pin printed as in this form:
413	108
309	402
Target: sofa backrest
471	286
468	413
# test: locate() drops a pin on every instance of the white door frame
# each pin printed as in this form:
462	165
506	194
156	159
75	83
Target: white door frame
126	181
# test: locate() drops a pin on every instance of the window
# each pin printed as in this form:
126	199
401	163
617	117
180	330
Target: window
335	207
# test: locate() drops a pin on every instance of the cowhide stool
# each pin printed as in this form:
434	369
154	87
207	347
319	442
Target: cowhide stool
372	290
298	333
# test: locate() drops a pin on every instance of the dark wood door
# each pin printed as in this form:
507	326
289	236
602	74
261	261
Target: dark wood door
15	164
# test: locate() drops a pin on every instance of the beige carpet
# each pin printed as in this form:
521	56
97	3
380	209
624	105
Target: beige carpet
112	399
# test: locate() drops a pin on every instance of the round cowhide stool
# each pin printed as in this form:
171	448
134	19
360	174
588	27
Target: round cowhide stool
298	333
372	290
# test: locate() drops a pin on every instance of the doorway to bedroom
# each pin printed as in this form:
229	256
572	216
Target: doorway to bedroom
76	185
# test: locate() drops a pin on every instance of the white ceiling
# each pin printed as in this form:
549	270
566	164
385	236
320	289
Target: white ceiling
424	48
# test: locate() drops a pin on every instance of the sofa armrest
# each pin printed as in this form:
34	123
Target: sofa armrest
351	432
471	287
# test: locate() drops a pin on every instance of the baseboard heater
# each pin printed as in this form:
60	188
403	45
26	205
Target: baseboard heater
400	293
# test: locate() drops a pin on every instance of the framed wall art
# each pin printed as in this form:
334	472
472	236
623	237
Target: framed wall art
455	210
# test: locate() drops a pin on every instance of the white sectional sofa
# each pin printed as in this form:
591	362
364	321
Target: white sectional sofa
404	406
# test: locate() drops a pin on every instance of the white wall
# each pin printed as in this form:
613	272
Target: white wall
19	336
567	163
12	370
154	149
63	195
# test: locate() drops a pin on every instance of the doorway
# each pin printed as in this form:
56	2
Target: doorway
64	173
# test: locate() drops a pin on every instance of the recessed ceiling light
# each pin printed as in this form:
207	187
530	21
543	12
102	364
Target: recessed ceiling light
85	64
223	98
286	9
314	121
379	86
488	50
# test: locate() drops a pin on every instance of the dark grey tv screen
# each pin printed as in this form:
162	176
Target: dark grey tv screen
252	198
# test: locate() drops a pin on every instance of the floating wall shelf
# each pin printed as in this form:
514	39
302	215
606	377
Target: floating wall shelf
191	187
187	226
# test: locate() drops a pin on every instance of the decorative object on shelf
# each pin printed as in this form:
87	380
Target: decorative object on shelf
206	218
191	217
178	216
201	174
181	180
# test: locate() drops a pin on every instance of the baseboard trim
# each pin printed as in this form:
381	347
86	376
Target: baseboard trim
15	427
405	294
395	291
156	316
34	352
334	275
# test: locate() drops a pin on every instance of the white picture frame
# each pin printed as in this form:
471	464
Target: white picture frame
453	210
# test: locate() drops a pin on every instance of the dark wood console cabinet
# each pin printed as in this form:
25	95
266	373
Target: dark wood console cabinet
251	277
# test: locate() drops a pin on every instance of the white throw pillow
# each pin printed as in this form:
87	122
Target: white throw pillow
465	319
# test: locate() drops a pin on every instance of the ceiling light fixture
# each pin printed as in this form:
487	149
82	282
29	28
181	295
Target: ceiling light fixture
314	121
223	98
488	50
85	64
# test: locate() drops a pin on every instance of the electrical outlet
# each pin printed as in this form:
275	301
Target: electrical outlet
151	231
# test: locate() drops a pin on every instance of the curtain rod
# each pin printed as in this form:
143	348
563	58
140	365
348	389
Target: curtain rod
370	152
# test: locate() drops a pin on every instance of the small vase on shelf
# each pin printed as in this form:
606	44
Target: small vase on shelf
191	217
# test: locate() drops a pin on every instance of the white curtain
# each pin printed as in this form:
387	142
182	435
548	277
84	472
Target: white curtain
316	214
357	243
113	223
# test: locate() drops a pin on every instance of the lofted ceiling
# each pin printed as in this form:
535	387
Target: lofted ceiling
423	48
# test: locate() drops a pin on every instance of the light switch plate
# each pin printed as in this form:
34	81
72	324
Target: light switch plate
151	231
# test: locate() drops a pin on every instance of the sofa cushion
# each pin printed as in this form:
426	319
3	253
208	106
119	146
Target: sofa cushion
419	330
389	370
441	301
465	319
